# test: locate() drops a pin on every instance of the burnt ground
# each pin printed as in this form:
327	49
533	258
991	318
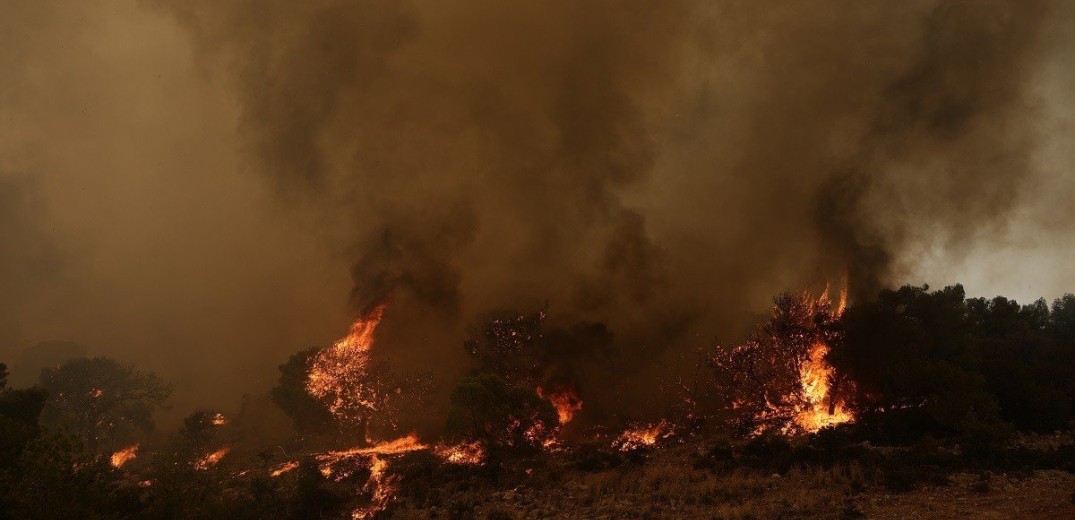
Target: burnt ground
669	483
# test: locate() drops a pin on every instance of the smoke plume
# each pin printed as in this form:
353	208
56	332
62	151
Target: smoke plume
661	167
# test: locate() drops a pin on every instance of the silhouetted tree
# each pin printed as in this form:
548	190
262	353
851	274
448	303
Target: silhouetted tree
386	396
503	416
99	399
307	413
911	352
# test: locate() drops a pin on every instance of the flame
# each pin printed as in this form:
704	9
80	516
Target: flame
382	489
645	436
124	456
284	468
97	392
405	444
566	402
814	378
338	372
464	453
815	410
212	459
219	420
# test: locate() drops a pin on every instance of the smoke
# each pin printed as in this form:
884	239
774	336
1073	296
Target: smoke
661	167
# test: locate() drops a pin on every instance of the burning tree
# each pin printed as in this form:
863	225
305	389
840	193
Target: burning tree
516	348
344	385
500	415
100	400
780	378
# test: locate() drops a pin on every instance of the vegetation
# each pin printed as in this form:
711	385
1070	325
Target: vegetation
502	416
101	402
945	391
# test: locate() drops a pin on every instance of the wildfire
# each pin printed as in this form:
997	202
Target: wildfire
465	453
219	420
381	488
646	436
284	468
338	372
566	402
212	459
815	377
394	447
124	456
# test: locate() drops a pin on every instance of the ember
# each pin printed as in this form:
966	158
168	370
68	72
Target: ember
124	456
639	437
465	453
211	459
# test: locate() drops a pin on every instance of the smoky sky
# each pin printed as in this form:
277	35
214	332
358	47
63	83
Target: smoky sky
206	187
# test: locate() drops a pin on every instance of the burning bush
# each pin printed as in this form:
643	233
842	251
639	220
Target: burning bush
780	378
504	417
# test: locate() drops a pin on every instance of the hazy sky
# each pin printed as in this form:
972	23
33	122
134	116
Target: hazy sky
203	188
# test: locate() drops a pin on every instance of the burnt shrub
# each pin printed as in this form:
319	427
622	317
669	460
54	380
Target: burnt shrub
768	452
595	457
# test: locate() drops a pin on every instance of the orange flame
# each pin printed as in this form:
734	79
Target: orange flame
394	447
124	456
381	488
219	420
338	371
566	402
212	459
465	453
284	468
816	409
646	436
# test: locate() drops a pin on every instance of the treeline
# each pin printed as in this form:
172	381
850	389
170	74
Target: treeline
936	362
912	364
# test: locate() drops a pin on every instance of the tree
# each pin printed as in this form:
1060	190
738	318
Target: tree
19	412
911	353
502	416
101	400
1026	368
760	380
307	413
54	478
371	394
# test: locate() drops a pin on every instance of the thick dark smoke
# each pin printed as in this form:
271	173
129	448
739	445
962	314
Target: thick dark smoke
661	167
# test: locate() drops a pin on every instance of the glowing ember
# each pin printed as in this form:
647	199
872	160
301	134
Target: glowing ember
283	468
638	437
566	402
97	392
381	488
211	459
124	456
338	372
466	453
395	447
219	420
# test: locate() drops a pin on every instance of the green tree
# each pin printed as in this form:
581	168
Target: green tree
102	401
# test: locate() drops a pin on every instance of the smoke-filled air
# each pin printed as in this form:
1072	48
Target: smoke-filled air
309	255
